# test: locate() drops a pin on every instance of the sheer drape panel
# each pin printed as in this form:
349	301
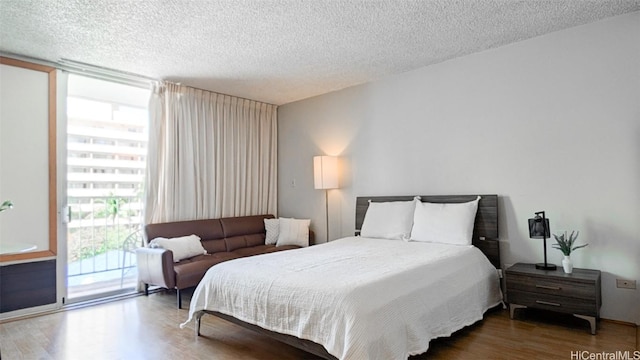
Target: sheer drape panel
155	156
216	155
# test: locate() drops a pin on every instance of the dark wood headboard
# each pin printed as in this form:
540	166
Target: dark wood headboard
485	230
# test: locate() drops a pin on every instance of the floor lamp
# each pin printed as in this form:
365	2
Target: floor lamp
325	177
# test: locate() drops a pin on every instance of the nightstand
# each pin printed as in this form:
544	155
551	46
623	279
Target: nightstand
577	293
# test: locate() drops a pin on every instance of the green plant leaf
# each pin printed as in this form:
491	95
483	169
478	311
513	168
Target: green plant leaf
578	247
6	205
566	243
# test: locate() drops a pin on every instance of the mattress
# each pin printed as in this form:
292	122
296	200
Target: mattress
360	298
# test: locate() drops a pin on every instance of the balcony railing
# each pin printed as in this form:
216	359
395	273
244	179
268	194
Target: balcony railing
102	236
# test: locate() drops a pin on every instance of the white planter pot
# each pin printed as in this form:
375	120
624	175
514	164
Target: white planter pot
567	265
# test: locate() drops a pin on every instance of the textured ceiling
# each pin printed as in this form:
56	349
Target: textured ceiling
280	51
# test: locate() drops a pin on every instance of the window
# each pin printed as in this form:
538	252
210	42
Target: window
107	149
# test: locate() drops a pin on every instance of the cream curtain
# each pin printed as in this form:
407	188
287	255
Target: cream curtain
210	155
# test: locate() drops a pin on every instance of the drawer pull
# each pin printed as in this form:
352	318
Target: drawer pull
548	287
547	303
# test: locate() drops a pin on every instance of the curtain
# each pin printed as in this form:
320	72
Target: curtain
210	155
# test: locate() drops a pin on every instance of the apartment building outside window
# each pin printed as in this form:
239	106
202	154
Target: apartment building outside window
106	159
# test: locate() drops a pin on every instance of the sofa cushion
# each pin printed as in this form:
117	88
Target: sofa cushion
253	250
262	249
243	225
189	272
242	241
284	247
214	246
206	229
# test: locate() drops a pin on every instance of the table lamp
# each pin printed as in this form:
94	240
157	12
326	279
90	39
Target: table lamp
539	229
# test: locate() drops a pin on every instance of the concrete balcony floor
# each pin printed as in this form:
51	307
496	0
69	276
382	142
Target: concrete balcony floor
109	272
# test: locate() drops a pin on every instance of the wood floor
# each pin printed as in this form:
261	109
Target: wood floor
147	328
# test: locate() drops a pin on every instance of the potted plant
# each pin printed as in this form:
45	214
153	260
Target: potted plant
566	244
6	205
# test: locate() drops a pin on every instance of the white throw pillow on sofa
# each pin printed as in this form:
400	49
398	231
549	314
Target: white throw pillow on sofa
272	226
182	247
293	232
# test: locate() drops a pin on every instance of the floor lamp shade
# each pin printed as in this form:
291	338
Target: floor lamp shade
325	172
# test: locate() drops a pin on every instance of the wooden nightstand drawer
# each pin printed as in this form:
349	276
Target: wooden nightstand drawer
553	302
559	287
577	293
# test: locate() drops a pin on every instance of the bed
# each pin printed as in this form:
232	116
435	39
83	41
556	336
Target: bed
361	297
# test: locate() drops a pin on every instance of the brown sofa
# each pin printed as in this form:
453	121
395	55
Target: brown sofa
224	239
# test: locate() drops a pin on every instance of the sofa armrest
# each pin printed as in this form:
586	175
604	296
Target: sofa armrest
155	267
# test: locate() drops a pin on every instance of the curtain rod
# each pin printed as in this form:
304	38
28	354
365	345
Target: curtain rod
105	73
217	92
96	72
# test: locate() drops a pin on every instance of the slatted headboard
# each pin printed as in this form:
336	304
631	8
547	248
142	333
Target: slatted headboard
485	230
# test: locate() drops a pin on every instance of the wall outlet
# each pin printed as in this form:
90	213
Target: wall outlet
625	284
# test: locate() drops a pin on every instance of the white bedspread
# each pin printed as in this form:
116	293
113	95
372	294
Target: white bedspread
360	298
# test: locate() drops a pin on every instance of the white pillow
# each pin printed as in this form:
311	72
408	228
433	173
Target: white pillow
293	232
445	223
182	247
388	220
273	230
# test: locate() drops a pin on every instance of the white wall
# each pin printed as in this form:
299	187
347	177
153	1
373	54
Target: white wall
551	123
24	157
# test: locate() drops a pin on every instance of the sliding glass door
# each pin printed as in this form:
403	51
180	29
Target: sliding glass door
106	158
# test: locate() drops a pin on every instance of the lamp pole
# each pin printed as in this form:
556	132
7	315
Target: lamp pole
326	210
534	234
544	236
325	172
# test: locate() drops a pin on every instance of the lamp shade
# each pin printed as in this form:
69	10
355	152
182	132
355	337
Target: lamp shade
538	230
325	172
